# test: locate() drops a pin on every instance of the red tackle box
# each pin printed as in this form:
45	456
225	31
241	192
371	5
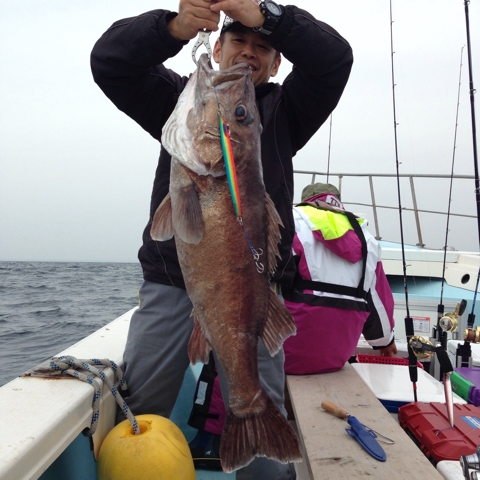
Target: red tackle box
427	424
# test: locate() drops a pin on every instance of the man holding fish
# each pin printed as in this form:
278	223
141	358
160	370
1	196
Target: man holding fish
221	226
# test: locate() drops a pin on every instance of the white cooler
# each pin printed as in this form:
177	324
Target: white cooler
450	470
364	348
392	386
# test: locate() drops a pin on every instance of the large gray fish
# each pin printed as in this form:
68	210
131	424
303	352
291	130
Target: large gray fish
233	301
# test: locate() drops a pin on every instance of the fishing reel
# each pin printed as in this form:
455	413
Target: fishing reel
472	335
468	462
422	348
449	321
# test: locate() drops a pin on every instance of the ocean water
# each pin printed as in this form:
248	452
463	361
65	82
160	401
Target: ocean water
47	306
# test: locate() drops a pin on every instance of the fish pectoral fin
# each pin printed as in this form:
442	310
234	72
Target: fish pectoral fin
187	215
258	435
198	347
273	234
162	228
279	325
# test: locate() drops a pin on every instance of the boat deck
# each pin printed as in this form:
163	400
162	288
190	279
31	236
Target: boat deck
330	452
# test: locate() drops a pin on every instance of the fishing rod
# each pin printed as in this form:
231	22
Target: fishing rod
471	316
449	322
451	184
412	364
472	111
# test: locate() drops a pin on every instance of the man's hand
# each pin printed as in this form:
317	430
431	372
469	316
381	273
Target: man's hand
389	351
247	12
193	15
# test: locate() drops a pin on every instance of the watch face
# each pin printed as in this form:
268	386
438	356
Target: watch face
273	9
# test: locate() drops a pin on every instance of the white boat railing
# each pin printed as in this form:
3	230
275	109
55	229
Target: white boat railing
376	184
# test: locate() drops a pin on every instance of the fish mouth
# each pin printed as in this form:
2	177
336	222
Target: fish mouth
252	66
209	135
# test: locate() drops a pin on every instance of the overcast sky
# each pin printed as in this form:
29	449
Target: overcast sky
76	174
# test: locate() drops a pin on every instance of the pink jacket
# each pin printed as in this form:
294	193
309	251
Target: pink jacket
332	314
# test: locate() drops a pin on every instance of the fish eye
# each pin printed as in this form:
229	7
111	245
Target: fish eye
241	112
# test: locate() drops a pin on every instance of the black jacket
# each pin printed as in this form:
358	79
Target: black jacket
127	64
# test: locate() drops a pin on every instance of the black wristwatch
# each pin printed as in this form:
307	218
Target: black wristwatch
272	13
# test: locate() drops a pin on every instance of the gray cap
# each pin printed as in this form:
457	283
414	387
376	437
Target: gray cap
317	188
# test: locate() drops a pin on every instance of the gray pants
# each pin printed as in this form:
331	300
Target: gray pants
156	359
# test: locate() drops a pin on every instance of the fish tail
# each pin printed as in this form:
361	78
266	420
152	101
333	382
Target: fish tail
258	435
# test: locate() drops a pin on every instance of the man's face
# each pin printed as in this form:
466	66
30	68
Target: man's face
248	47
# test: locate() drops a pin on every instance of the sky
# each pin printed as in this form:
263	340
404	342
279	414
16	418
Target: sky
76	173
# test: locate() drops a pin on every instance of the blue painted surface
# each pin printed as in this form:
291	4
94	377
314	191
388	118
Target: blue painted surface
75	463
392	406
183	406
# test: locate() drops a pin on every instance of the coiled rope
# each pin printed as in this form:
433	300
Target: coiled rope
72	366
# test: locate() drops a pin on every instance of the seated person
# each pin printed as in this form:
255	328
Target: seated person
340	290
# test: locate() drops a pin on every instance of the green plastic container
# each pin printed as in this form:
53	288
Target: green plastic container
460	385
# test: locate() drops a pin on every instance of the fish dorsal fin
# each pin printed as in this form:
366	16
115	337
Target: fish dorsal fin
162	228
279	325
273	234
198	347
187	217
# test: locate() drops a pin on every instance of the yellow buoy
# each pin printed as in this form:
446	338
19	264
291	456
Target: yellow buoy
160	452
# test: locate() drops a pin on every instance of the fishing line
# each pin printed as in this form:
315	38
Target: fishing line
256	255
441	307
329	145
409	330
451	175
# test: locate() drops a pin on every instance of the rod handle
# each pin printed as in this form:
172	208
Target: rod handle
332	408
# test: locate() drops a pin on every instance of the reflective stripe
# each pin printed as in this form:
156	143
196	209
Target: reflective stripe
331	224
202	393
327	301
